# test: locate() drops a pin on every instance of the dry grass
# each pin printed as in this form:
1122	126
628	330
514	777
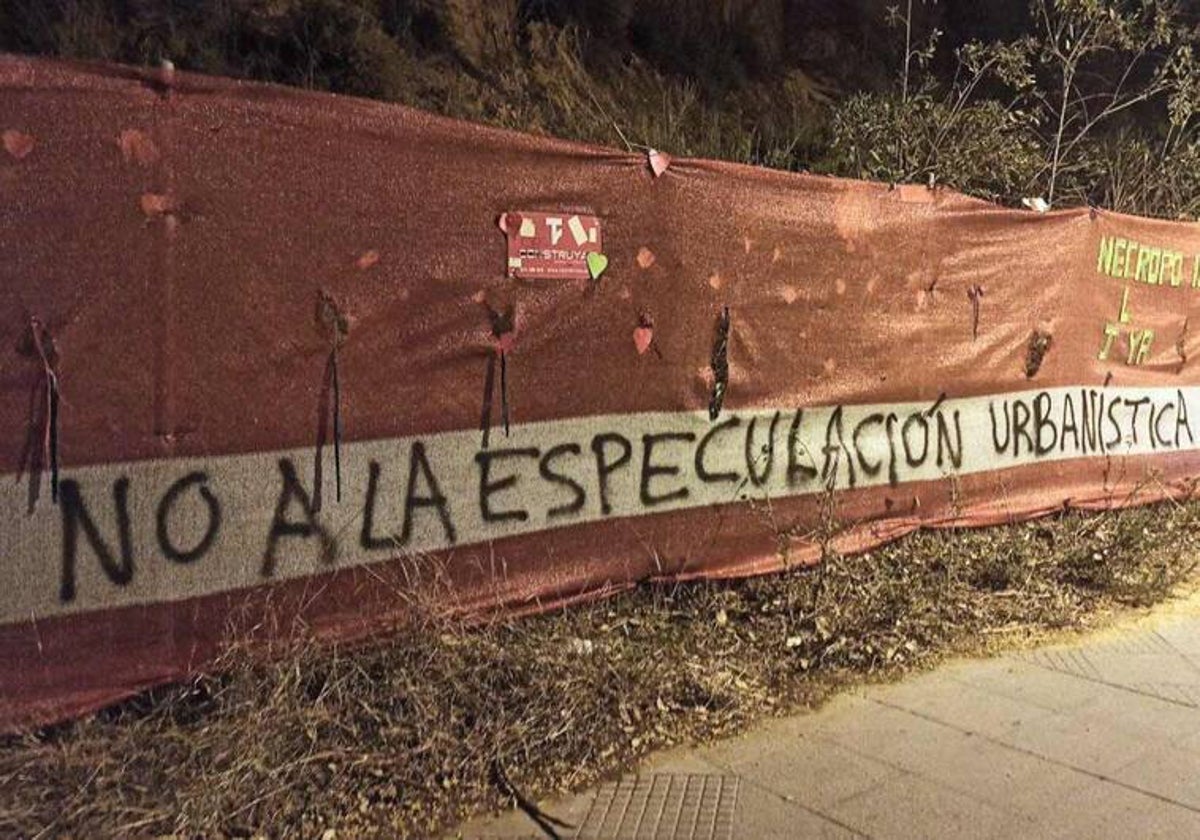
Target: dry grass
403	738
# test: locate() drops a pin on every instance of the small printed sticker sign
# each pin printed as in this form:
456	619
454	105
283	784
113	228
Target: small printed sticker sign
552	246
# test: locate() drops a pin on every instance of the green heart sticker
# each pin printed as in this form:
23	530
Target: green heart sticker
596	264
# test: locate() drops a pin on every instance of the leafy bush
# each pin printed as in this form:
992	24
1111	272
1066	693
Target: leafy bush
981	148
1092	105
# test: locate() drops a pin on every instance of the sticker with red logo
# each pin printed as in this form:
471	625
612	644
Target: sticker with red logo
552	246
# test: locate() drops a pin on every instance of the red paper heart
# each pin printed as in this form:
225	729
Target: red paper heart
17	143
642	336
137	147
155	204
659	161
510	222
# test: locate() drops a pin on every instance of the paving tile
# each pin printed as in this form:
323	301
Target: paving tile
1080	743
1128	641
1003	777
1190	742
1105	810
1185	694
763	814
880	731
1170	772
1180	633
664	806
813	772
908	807
1065	660
972	764
964	706
1140	714
1031	684
1127	669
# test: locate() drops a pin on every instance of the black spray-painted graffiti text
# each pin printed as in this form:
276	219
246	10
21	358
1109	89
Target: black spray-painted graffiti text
419	498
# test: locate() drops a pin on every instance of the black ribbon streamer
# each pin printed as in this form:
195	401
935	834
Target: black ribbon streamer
489	389
330	405
502	324
336	326
50	438
337	426
52	384
489	385
720	365
504	391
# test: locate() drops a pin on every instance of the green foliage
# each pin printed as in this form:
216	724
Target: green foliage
1135	175
982	148
947	133
1093	105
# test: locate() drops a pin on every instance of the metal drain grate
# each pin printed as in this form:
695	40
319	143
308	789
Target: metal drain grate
668	806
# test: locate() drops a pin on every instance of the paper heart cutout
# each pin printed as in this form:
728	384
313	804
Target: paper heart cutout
514	224
17	143
659	161
596	264
642	336
137	147
156	204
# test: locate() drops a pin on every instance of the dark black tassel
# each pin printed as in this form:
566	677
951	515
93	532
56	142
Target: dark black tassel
489	385
337	426
502	322
335	325
323	413
720	365
504	390
52	384
43	345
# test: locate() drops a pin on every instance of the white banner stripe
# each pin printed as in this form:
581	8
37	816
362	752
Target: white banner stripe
204	525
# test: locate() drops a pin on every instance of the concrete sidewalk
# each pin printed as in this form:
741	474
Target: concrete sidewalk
1094	739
